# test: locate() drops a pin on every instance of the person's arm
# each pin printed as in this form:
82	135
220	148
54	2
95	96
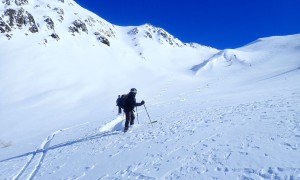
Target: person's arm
140	104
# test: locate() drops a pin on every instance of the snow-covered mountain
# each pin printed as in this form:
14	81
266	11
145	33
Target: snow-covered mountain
70	52
51	19
264	52
77	47
222	114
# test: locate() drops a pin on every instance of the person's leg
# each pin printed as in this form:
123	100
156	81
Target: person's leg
127	120
132	117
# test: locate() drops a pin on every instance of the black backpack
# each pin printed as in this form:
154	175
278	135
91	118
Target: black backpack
122	101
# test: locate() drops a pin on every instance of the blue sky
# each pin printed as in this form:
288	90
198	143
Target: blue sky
217	23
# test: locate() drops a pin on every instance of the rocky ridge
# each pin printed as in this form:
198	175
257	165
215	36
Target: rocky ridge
53	19
151	32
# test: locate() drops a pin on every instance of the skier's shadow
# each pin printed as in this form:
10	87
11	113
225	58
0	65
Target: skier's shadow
65	144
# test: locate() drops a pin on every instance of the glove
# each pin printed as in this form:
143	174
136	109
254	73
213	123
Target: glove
143	102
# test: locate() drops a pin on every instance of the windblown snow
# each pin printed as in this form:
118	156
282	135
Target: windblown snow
221	114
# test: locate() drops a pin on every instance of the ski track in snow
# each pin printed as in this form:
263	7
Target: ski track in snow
38	156
41	152
185	143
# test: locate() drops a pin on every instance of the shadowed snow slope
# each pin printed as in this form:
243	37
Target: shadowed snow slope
230	114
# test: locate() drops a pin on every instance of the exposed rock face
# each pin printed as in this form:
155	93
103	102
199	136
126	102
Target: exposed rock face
148	35
55	36
50	23
134	31
11	13
102	39
78	26
17	2
21	2
4	28
59	10
194	45
166	36
21	18
149	31
32	26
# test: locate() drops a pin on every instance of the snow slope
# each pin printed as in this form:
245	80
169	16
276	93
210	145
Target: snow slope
248	132
230	114
53	83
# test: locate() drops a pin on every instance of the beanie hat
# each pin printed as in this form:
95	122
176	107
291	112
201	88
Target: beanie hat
133	90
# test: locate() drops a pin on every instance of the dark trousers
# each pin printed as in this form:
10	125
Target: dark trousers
129	118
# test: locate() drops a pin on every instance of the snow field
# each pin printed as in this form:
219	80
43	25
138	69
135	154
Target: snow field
218	137
230	114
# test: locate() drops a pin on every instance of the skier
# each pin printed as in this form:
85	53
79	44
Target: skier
129	108
117	103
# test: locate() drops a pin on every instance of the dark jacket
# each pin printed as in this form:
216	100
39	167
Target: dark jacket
131	103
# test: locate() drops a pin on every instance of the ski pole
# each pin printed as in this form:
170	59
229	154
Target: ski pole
148	115
137	115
